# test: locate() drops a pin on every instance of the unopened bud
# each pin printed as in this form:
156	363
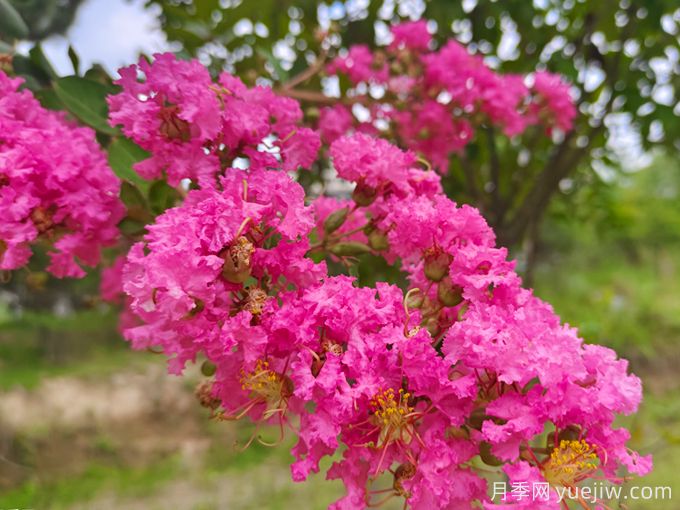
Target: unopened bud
415	300
487	457
312	112
335	220
437	263
364	195
208	368
432	326
377	239
448	293
477	418
349	249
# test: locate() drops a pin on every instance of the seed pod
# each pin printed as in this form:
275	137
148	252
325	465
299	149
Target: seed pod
335	220
349	249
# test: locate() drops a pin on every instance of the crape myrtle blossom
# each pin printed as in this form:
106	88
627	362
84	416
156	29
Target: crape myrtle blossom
195	128
56	188
409	389
433	101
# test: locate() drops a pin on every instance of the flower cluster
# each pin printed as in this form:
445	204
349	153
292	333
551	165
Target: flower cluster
195	128
56	188
426	389
433	101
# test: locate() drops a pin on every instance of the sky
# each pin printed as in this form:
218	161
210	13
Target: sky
109	32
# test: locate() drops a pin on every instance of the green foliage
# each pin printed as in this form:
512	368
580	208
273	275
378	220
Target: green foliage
123	154
619	55
86	99
44	17
610	267
11	23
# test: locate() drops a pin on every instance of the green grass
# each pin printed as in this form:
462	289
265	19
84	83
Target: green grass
39	345
632	307
96	478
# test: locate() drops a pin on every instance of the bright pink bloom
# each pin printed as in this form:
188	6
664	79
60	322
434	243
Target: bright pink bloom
412	35
55	186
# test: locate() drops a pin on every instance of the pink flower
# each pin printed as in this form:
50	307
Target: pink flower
196	129
412	35
334	122
55	186
359	66
554	101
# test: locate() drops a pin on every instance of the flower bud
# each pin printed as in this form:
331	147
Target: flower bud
437	263
364	195
448	293
477	418
335	220
377	239
208	368
432	326
487	457
349	249
415	300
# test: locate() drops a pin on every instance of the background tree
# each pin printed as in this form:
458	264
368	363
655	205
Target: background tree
621	57
42	18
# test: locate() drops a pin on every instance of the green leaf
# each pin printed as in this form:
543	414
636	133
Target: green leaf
39	59
11	24
132	197
131	227
162	196
75	60
48	98
123	154
86	100
28	69
6	48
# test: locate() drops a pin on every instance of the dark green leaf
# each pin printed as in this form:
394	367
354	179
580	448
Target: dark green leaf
86	100
162	196
75	60
132	197
123	154
48	98
38	57
131	227
11	24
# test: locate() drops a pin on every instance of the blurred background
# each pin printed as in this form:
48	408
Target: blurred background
87	423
